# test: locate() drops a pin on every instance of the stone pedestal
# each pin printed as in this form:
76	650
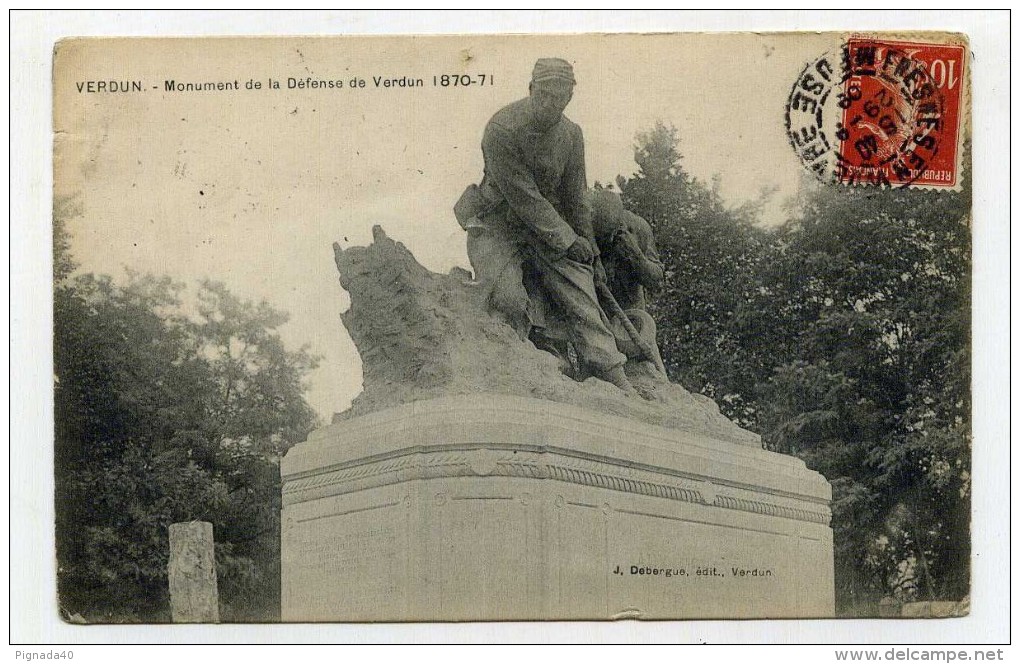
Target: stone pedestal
192	573
493	507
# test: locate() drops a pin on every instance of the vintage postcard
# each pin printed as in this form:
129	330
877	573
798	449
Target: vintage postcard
516	327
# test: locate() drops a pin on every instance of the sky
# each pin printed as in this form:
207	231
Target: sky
252	187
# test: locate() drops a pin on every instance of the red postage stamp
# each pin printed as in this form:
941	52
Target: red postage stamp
882	111
901	113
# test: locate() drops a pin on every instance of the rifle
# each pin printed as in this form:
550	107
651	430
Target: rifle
616	310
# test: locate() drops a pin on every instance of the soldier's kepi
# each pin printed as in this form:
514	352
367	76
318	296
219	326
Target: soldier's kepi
530	237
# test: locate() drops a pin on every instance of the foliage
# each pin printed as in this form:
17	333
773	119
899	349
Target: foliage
164	417
842	337
711	340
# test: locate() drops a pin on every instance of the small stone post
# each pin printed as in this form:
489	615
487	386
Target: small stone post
192	571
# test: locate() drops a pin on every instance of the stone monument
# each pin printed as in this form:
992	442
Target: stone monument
473	480
192	573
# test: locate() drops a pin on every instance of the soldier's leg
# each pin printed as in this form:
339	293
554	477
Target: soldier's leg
497	263
645	325
571	287
643	322
549	333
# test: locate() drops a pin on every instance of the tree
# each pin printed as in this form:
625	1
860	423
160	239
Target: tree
843	338
710	301
162	418
877	317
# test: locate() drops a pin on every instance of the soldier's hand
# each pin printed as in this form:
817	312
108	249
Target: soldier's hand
581	251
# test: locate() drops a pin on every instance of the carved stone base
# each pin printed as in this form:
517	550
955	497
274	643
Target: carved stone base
492	507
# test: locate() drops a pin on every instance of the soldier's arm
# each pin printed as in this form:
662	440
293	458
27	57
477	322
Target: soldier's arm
637	244
652	272
574	192
505	165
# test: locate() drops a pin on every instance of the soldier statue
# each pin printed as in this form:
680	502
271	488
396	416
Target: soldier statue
530	236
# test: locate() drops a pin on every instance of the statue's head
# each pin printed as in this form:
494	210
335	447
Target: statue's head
551	88
607	215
